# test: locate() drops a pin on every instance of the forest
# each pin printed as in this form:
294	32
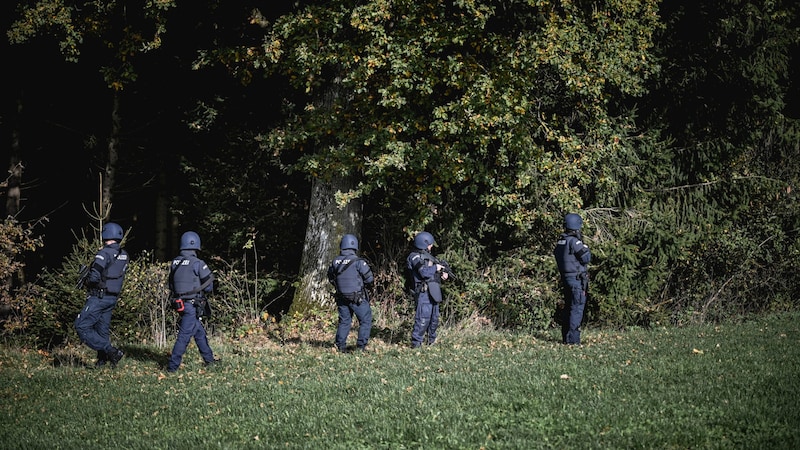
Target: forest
272	129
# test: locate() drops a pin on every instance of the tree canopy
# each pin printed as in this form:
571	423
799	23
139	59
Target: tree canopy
509	106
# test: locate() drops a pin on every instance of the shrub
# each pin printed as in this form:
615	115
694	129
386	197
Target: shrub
47	309
143	313
518	290
16	296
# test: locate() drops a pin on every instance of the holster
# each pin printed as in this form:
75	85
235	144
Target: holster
355	298
201	307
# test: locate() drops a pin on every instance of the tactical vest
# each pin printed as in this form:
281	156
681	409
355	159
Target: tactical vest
567	261
184	281
116	261
346	276
432	287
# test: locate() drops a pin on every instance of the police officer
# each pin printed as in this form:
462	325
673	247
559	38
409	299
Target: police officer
426	273
572	257
352	277
104	283
189	281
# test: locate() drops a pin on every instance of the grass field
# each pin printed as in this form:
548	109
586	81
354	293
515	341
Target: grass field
708	387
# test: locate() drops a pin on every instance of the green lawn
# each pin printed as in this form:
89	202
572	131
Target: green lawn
726	386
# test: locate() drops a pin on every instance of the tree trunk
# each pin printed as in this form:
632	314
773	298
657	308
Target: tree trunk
113	157
327	223
163	236
13	185
14	180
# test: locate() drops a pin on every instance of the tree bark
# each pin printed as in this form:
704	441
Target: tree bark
14	180
327	223
162	237
113	157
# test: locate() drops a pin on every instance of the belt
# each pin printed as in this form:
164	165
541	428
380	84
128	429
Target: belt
102	293
573	274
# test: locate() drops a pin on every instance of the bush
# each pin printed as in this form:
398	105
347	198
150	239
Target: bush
16	296
519	290
246	302
143	313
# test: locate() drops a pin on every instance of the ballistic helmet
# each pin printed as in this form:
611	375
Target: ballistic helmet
573	222
190	241
111	231
349	241
423	240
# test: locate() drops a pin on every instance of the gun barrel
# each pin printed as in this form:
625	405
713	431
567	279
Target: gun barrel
83	274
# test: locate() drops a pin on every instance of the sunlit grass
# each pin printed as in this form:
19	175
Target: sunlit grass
726	386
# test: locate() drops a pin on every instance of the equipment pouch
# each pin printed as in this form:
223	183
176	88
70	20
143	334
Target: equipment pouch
435	291
585	281
201	307
355	298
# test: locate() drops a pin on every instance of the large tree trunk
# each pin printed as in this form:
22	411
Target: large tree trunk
327	223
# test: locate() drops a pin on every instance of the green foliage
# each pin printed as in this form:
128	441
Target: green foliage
48	309
519	290
724	195
115	29
16	241
143	313
637	389
469	99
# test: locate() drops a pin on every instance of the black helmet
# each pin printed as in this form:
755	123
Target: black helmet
573	222
349	241
111	231
423	240
190	241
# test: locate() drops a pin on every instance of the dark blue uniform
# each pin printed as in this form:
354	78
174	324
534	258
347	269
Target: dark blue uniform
104	284
422	267
350	275
572	257
187	274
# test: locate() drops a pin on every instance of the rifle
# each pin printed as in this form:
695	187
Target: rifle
83	274
446	269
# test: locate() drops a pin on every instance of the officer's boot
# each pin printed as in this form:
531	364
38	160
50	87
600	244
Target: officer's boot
114	356
101	359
